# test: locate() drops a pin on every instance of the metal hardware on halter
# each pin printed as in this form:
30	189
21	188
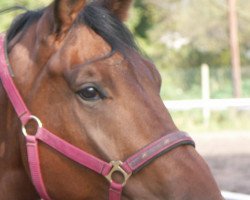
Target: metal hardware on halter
117	168
36	119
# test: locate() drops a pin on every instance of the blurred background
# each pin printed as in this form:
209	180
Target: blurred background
202	50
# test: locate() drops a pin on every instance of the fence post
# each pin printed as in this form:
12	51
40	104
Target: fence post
205	93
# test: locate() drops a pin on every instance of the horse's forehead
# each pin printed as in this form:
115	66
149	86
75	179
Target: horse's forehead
85	43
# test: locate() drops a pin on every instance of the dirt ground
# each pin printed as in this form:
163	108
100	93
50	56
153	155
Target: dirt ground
228	155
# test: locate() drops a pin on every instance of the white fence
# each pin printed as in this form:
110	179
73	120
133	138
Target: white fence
209	104
234	196
205	103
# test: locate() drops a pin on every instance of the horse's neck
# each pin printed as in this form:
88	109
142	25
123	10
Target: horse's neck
14	181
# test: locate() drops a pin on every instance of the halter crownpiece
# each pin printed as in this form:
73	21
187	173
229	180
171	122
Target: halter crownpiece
131	166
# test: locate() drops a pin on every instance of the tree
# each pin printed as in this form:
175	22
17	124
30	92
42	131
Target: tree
234	43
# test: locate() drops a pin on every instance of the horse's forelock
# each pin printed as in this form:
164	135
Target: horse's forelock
98	18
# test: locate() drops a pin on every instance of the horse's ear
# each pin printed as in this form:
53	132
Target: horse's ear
65	13
120	8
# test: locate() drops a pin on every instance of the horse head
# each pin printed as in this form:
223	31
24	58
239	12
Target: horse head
79	71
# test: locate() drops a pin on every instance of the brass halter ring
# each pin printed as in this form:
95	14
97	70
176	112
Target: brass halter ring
37	120
117	168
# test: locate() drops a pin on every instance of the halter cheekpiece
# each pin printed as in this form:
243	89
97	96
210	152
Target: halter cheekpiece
127	168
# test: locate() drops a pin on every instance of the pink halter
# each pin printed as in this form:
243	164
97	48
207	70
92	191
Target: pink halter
132	165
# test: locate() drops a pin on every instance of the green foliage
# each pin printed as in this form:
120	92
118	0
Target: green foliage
203	23
192	121
185	83
7	17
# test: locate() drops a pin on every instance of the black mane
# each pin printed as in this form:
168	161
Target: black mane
22	22
101	20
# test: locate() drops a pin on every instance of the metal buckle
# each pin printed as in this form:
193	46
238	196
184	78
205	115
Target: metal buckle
37	120
117	168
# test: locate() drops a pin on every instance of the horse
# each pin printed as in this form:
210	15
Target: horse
77	98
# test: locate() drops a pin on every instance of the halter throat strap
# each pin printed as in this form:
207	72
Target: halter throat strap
131	165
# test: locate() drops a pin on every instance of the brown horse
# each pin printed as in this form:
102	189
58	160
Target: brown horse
78	69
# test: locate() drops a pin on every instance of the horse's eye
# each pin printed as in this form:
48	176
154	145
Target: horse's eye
90	93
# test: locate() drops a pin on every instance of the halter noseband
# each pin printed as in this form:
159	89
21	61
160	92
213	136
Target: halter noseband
132	165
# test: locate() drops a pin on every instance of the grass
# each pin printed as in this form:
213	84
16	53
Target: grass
228	120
